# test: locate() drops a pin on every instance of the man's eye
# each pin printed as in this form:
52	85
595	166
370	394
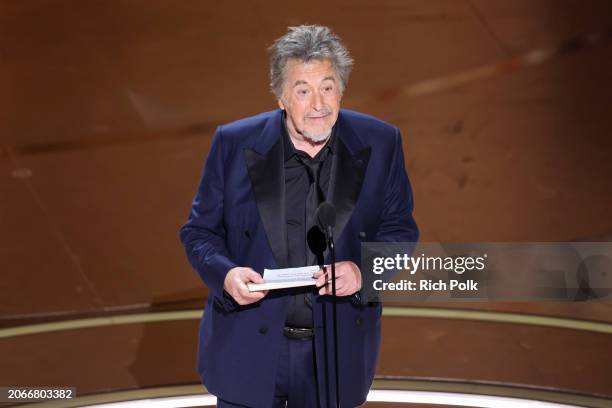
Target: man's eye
302	92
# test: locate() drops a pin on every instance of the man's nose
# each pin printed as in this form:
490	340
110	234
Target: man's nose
317	101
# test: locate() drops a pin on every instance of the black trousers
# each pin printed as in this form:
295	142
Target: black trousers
296	385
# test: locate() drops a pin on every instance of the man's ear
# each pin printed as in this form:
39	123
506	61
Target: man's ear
281	104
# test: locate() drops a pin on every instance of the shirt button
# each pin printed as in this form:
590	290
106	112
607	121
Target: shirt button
263	330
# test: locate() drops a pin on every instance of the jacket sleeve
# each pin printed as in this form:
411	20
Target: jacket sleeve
204	234
395	223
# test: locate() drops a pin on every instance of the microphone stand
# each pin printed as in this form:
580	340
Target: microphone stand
332	253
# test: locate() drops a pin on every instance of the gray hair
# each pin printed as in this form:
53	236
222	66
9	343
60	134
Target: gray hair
305	43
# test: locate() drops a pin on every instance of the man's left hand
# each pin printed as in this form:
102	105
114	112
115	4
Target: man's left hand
348	279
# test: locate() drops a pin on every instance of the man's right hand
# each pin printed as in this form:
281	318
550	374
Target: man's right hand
236	285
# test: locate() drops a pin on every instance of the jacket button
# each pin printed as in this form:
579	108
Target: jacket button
358	321
362	234
263	330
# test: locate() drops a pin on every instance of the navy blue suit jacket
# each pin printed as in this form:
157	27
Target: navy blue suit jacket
237	219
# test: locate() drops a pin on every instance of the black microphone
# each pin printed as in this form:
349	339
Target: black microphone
325	217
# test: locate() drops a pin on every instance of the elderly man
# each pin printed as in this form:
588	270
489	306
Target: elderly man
263	180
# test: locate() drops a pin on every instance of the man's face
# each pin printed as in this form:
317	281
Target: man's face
311	98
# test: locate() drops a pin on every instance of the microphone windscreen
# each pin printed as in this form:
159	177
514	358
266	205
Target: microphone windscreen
325	216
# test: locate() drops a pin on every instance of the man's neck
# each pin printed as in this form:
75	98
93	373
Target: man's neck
306	145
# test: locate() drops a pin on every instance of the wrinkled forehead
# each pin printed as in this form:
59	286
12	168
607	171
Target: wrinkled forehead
313	71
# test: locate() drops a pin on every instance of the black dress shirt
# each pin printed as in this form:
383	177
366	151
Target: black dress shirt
297	184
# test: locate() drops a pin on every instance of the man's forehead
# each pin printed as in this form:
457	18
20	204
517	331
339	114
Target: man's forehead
303	82
305	71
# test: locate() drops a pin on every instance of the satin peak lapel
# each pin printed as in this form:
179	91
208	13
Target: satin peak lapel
267	176
348	174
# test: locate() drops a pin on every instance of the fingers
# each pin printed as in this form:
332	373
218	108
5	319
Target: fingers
341	288
326	286
246	297
348	280
322	279
252	276
320	272
324	274
236	285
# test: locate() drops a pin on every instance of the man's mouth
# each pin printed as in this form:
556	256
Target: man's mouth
317	117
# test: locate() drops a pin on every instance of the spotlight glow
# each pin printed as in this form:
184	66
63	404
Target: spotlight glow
398	396
457	399
206	400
